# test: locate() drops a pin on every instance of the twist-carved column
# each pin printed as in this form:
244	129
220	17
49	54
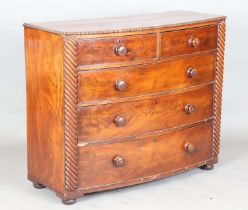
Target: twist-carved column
218	87
70	114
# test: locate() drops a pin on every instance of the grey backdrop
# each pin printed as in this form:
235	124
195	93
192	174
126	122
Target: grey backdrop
226	186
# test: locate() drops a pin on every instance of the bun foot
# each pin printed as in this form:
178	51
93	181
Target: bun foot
69	202
38	185
207	167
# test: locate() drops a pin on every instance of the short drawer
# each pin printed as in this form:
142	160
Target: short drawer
117	83
137	159
188	41
118	120
116	49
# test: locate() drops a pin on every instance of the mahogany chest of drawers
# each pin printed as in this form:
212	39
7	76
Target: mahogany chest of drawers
117	102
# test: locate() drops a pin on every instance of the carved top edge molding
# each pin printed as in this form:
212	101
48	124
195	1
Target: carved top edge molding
159	21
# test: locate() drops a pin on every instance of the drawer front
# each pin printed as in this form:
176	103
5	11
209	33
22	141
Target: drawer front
126	161
116	49
188	41
146	79
125	119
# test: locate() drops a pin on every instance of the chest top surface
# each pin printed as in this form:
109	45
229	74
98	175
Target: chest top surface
123	24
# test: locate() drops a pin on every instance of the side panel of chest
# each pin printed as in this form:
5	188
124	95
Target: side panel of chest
45	108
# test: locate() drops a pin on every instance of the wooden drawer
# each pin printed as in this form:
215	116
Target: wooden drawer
116	49
138	80
188	41
125	119
126	161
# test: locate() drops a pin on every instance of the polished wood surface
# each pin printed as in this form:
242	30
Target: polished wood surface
98	122
70	114
179	42
122	24
143	158
117	102
104	50
145	79
45	102
218	88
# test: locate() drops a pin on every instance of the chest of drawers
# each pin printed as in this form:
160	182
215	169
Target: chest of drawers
122	101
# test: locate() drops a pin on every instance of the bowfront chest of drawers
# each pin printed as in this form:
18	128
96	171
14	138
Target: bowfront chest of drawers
117	102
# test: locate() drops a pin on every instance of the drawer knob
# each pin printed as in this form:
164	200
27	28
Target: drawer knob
192	73
190	109
120	50
194	42
189	147
120	121
121	85
118	161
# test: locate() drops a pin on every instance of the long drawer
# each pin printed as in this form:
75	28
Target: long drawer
117	83
125	119
126	161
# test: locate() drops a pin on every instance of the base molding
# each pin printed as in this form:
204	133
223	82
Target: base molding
70	195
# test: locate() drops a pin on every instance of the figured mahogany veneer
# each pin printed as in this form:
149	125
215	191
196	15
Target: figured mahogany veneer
45	105
104	50
144	157
188	41
146	79
141	116
122	101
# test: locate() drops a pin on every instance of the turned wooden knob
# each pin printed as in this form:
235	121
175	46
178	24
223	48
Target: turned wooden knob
194	42
190	109
118	161
121	85
120	50
120	121
189	147
192	73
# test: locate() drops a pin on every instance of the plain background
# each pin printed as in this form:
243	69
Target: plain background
226	187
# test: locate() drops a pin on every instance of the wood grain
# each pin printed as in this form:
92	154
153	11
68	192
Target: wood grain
70	114
163	20
45	108
143	158
85	134
145	79
218	87
96	123
102	50
177	42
